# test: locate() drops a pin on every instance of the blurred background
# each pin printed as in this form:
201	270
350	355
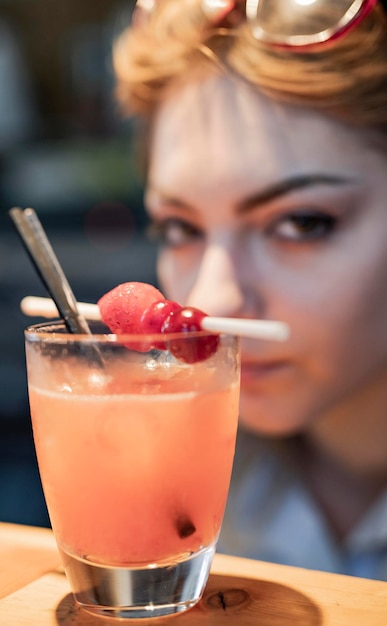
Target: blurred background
65	151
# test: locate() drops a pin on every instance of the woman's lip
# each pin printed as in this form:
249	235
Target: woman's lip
254	371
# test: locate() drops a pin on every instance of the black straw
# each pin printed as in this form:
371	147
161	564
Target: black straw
48	267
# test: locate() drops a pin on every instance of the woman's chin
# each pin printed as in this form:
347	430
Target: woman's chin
268	421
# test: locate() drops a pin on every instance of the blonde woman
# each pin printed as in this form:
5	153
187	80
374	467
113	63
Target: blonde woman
267	184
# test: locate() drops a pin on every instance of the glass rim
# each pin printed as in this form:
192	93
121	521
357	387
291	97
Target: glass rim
47	331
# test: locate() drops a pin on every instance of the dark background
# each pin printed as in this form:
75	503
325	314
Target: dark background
65	151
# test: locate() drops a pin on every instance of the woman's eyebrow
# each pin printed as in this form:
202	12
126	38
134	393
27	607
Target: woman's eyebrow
165	198
286	186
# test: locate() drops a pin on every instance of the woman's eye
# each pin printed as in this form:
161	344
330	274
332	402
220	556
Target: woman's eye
173	232
306	226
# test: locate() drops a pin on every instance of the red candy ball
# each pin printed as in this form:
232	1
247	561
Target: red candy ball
190	350
155	316
122	308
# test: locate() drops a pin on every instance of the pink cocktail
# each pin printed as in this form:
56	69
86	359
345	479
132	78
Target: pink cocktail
135	456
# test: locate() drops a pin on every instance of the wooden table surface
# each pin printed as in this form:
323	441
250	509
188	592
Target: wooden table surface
35	592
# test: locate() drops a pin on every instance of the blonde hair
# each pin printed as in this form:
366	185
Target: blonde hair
347	77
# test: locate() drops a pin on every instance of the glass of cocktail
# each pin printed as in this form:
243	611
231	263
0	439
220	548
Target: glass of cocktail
135	449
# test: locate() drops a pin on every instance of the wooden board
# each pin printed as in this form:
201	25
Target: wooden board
240	592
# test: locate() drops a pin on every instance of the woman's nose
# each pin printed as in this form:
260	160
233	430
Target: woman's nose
217	289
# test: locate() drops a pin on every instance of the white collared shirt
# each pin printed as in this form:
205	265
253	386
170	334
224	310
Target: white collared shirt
271	516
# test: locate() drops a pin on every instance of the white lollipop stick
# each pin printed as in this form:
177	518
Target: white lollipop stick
256	329
45	307
259	329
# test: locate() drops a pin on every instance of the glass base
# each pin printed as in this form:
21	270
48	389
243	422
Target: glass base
152	591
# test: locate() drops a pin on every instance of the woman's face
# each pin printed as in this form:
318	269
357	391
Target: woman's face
276	212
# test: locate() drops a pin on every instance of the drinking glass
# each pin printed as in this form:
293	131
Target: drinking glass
135	449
